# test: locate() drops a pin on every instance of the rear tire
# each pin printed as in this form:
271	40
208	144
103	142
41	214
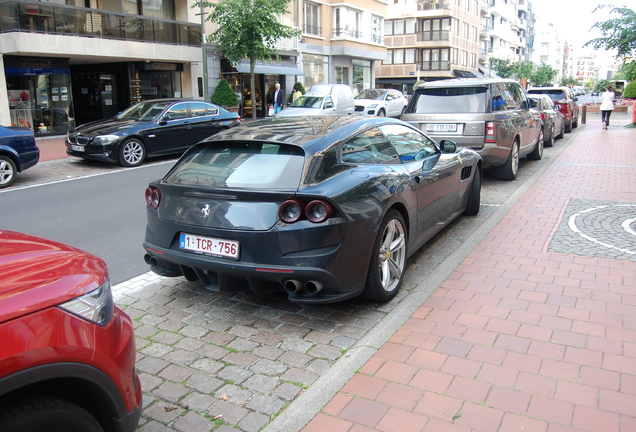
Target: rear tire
509	170
46	413
388	259
568	127
8	171
474	199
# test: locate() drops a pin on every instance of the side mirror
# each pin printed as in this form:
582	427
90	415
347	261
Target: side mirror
448	146
164	120
525	104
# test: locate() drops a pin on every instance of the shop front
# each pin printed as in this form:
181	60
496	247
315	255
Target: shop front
266	76
39	93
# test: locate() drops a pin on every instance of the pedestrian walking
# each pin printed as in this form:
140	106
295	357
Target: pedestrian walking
279	99
607	106
296	93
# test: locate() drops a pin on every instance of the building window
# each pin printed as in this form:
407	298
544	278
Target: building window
435	59
361	75
435	30
315	69
347	23
399	27
376	29
400	56
311	19
473	33
466	30
473	60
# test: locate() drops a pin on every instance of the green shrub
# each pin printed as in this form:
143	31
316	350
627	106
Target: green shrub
630	90
224	95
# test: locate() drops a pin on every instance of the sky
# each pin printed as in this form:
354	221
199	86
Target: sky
574	18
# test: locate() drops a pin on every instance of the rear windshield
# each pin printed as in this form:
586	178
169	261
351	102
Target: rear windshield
451	100
253	165
555	95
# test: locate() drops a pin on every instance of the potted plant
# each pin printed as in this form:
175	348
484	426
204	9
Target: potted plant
225	96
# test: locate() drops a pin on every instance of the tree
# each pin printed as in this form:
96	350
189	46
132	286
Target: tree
503	67
630	90
617	33
569	81
224	95
248	29
524	69
601	85
544	76
627	72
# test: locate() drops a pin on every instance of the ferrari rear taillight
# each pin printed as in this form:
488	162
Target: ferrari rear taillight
491	132
153	197
316	211
291	211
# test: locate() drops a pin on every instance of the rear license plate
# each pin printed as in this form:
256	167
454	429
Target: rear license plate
209	246
77	148
441	127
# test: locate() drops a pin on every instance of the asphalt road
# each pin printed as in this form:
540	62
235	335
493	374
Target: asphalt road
104	213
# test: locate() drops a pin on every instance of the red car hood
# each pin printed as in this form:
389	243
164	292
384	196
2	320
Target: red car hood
36	273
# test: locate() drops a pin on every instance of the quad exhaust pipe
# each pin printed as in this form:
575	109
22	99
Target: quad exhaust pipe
292	286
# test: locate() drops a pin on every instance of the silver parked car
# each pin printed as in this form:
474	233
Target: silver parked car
491	116
553	120
381	102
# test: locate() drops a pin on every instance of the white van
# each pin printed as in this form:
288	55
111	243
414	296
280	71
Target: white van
322	99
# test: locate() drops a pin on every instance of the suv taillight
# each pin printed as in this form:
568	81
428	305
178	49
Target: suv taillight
491	132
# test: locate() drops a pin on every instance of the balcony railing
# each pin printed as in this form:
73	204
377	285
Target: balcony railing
436	35
312	30
423	5
435	65
39	17
347	33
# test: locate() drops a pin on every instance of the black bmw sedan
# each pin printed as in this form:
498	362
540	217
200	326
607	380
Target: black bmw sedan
150	128
324	208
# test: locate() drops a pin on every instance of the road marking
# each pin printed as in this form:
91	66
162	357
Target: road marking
572	224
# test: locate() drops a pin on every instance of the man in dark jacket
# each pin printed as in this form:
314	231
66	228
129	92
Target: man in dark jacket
279	99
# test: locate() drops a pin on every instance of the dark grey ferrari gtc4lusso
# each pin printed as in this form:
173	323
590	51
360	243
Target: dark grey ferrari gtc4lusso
324	208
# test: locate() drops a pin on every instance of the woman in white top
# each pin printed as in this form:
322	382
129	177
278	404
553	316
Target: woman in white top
607	106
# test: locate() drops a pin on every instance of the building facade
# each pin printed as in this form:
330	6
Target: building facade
66	62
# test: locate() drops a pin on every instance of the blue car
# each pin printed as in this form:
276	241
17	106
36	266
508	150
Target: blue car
18	152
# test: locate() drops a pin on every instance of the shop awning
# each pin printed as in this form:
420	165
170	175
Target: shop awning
284	68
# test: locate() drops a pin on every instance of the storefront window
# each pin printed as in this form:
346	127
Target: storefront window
39	95
160	85
315	70
361	75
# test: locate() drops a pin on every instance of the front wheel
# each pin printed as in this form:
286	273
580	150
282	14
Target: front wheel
508	171
537	153
381	113
46	413
132	153
550	142
8	172
388	260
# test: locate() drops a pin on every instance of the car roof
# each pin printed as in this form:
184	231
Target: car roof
302	131
463	82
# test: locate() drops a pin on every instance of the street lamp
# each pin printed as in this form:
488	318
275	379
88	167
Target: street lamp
204	53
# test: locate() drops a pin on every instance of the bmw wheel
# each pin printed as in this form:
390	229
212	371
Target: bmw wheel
508	171
132	153
7	171
388	260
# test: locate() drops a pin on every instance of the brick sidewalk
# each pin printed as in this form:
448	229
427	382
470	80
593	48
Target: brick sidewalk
523	336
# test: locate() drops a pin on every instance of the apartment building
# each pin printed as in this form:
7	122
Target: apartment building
339	43
430	39
66	62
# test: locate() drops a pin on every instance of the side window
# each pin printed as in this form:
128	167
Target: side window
508	94
179	111
409	144
328	102
368	147
200	109
498	101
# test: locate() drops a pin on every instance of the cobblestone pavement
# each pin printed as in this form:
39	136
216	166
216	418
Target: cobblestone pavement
231	361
